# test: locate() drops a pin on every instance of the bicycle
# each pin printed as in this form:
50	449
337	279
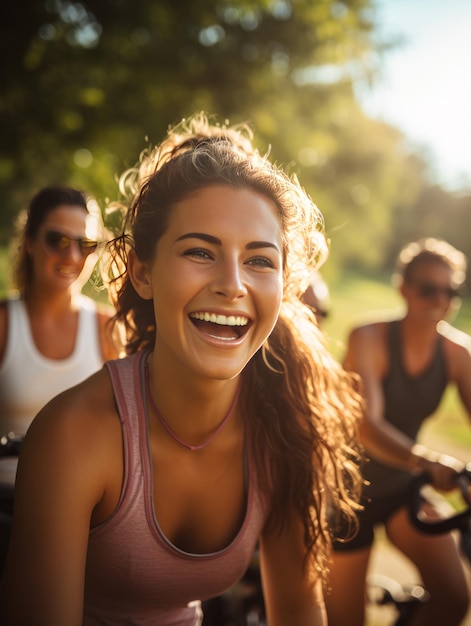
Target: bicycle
406	599
10	445
243	604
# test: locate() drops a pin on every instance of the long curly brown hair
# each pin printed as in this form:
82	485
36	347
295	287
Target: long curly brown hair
301	407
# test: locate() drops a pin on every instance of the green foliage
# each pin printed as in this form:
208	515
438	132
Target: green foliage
86	86
354	299
4	272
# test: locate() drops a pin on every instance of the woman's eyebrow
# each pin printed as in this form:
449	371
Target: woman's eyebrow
203	236
253	245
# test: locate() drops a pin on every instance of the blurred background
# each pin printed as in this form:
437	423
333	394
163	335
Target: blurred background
367	101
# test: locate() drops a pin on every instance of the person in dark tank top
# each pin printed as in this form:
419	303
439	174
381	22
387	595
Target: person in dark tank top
406	364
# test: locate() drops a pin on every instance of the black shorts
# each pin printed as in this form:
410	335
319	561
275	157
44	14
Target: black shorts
376	511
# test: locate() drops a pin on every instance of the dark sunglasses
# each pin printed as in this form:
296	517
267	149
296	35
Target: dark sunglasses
58	242
429	291
319	312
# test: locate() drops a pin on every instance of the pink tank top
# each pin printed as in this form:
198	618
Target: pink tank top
135	575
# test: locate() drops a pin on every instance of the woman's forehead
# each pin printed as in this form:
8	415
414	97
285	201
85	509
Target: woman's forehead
228	209
66	215
431	267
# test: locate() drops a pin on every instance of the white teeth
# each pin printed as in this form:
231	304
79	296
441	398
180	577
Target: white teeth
223	338
222	320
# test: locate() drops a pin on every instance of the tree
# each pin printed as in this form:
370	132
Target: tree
87	85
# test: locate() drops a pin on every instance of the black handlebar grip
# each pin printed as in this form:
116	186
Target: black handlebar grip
460	521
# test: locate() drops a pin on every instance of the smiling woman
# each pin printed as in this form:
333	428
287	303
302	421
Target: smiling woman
228	424
51	336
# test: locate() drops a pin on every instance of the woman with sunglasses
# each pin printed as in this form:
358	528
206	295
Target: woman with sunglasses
406	365
51	336
228	423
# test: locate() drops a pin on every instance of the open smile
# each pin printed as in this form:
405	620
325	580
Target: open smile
67	270
218	326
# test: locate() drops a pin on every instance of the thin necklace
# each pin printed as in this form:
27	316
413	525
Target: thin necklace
172	433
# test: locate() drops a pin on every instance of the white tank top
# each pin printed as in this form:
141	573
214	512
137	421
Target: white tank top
28	379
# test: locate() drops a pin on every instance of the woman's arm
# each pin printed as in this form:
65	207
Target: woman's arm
366	355
61	477
293	596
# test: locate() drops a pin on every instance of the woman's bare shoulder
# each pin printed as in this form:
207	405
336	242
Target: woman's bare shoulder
372	331
72	455
367	348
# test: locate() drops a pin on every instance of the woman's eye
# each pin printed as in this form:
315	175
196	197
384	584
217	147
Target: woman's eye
261	261
198	252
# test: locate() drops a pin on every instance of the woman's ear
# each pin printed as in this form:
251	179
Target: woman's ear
139	275
28	246
404	289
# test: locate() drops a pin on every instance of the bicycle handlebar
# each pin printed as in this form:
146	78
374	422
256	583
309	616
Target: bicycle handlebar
10	444
460	521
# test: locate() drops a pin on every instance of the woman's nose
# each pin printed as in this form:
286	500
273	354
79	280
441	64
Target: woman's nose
74	253
229	280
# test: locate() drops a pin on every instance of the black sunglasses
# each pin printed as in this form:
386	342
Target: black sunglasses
430	290
58	242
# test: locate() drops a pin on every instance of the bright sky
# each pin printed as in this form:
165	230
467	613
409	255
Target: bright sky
425	84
